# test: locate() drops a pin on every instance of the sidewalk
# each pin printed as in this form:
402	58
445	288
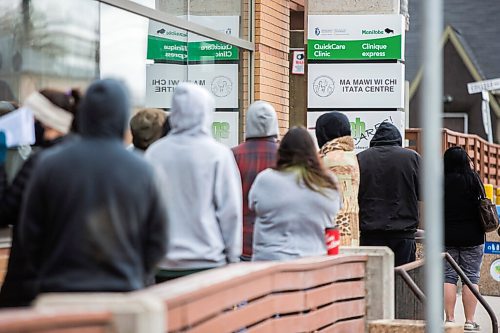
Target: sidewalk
482	317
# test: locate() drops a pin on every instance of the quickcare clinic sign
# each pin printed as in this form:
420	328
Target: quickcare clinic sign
355	37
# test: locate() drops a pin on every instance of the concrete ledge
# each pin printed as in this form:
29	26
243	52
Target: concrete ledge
131	312
354	7
379	280
408	326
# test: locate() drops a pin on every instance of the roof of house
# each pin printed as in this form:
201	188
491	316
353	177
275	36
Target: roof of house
475	24
470	61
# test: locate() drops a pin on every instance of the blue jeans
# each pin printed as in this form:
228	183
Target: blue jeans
468	258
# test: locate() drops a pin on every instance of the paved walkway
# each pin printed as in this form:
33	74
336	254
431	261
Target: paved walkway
482	317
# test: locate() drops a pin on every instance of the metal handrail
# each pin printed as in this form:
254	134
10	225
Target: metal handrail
403	272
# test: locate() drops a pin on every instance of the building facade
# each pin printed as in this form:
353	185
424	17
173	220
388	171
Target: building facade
237	49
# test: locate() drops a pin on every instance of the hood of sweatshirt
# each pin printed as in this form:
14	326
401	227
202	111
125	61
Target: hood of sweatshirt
261	121
192	110
104	110
330	126
387	135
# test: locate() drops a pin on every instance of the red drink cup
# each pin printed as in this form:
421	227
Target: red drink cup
332	235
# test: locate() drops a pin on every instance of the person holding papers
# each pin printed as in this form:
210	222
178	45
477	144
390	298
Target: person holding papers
54	110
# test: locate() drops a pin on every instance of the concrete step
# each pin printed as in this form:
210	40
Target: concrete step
407	326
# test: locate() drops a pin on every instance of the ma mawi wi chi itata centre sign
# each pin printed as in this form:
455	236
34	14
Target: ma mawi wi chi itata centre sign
355	37
356	85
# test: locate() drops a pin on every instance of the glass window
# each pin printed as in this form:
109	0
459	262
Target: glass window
153	58
226	16
47	43
67	44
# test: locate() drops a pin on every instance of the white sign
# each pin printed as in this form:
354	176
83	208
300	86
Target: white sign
225	127
229	25
495	270
298	62
477	87
363	85
162	30
19	127
354	27
364	124
220	79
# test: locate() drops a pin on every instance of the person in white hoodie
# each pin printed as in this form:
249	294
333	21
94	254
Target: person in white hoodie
202	188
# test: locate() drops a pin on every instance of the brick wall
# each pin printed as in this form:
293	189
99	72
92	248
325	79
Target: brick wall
272	23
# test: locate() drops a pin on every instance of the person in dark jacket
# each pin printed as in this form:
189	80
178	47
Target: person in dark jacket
257	153
54	112
54	115
389	194
93	219
463	232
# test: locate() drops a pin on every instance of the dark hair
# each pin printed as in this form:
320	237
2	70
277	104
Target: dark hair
67	101
458	162
297	150
166	127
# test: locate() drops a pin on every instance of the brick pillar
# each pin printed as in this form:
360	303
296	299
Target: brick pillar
272	24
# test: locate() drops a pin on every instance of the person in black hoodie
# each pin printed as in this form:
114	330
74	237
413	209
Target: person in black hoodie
389	194
93	219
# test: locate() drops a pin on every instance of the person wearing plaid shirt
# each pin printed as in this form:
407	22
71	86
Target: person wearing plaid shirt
256	154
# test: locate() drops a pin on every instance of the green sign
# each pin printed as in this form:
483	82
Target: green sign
181	51
366	49
166	49
211	51
355	37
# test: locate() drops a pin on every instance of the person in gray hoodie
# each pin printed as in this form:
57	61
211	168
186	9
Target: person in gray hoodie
202	188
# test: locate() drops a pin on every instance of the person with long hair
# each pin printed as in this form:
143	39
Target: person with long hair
464	236
294	202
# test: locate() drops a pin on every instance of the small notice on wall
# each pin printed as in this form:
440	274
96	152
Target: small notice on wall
298	62
225	128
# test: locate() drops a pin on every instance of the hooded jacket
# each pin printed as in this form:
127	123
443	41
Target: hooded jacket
330	126
201	184
261	121
93	219
254	155
17	287
389	186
